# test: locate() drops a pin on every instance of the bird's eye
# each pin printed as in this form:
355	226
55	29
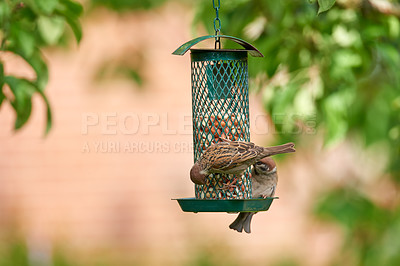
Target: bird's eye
259	163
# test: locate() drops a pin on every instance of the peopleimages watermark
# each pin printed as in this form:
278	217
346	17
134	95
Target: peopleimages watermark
129	123
112	125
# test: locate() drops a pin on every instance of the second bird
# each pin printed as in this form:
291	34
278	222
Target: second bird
264	180
232	157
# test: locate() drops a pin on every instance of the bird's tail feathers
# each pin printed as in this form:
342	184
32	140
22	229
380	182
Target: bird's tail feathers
285	148
238	223
247	222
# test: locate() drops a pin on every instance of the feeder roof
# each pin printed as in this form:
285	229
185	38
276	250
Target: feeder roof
253	51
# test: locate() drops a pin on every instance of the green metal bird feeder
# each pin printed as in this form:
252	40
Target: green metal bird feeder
220	109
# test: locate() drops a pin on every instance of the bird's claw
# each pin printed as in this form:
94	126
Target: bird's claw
230	185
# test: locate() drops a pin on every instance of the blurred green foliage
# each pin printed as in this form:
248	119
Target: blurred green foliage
17	253
371	232
120	70
341	65
127	5
127	67
213	253
25	28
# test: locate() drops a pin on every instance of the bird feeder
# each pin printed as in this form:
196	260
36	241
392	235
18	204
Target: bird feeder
220	109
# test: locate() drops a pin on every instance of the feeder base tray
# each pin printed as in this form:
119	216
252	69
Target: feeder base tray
229	205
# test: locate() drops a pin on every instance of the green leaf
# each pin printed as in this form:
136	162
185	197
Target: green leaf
1	74
134	75
76	28
4	12
23	90
44	6
2	96
347	59
39	66
51	28
22	102
325	5
48	111
377	122
74	8
335	108
26	40
71	11
283	99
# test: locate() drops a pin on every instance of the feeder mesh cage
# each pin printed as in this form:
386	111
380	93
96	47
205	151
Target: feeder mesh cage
220	101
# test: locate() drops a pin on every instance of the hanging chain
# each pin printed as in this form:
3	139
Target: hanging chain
217	24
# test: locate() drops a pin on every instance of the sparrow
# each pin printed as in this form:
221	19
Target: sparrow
232	157
264	179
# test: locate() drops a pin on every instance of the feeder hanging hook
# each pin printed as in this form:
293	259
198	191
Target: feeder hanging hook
217	24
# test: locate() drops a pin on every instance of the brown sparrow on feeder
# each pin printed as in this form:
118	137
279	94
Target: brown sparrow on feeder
264	180
232	157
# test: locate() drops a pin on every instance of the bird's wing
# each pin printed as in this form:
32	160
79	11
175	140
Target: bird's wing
229	154
246	151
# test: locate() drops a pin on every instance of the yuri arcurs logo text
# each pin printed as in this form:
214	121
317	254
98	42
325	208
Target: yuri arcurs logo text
136	147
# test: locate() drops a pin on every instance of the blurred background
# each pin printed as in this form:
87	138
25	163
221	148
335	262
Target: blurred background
95	132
